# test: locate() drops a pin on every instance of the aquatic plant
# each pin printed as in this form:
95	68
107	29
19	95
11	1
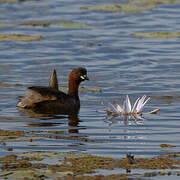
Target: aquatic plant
127	110
117	7
157	34
19	37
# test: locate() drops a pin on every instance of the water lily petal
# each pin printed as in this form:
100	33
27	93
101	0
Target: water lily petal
113	108
119	109
127	105
140	103
135	105
142	107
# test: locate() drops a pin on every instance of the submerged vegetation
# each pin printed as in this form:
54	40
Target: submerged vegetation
72	165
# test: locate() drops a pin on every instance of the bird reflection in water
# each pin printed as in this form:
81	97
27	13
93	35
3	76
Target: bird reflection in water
73	119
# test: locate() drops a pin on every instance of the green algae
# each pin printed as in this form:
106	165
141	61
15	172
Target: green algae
19	37
77	166
124	8
10	85
9	0
62	24
60	155
158	35
154	2
65	88
72	25
6	25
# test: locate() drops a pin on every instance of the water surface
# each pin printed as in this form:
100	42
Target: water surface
116	61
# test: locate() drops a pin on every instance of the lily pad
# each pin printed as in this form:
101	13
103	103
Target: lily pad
123	8
157	34
19	37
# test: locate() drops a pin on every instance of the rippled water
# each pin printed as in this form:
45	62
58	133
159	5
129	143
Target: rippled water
116	61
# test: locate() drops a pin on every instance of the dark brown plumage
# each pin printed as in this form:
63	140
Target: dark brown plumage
51	100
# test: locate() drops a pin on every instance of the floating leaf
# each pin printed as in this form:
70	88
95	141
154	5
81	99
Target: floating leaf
19	37
154	111
158	34
123	8
167	146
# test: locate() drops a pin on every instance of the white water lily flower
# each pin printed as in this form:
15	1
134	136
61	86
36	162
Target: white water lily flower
138	106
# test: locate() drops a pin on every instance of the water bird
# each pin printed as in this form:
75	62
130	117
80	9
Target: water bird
50	100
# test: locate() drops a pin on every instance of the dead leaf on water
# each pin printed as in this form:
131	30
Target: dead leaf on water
19	37
167	146
154	111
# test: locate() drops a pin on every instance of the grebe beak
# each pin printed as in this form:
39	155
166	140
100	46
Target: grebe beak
84	77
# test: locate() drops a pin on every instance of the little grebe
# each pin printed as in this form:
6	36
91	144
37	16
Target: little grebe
51	100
